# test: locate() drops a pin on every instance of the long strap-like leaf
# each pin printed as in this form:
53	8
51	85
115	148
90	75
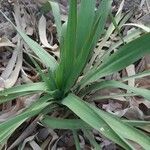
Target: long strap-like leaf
56	13
88	115
125	56
31	87
116	84
44	56
88	37
109	125
8	127
67	46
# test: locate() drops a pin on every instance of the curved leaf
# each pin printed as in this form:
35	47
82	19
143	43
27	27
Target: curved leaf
85	25
57	123
67	46
31	87
124	129
87	114
56	13
8	127
125	56
93	33
116	84
4	99
44	56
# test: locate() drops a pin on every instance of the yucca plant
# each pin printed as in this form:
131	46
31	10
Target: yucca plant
65	84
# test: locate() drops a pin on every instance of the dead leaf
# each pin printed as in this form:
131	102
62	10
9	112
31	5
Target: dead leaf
41	1
28	131
31	138
14	75
10	66
53	140
131	113
29	31
131	71
145	107
12	111
34	145
145	128
43	134
46	142
2	84
6	42
147	62
42	34
112	106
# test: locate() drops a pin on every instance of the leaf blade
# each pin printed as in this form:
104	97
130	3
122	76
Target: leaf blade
128	53
8	127
44	56
57	17
41	86
82	110
56	123
116	84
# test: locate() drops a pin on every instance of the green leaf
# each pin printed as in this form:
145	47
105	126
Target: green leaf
136	76
124	129
137	123
134	34
113	96
125	56
85	25
116	84
144	125
9	126
25	89
102	16
45	8
76	139
57	123
67	46
93	34
31	87
44	56
116	26
119	19
4	99
87	114
92	140
108	124
57	17
47	79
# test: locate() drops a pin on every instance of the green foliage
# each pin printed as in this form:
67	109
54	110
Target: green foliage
78	37
125	56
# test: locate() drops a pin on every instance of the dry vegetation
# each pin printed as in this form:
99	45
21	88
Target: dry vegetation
35	19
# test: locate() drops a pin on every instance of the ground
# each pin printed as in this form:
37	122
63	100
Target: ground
30	134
